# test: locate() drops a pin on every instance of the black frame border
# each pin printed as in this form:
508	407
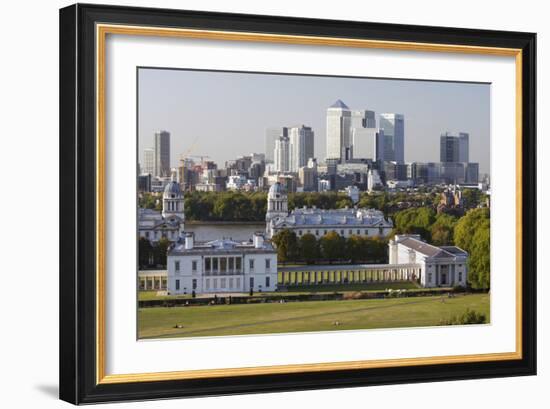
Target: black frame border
78	197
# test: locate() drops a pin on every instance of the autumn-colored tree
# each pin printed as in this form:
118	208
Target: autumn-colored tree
286	243
332	246
309	248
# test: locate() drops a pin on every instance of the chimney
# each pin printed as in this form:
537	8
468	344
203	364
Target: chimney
189	241
258	240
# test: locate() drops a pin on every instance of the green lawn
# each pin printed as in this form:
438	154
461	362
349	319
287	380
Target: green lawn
152	295
302	289
405	285
240	319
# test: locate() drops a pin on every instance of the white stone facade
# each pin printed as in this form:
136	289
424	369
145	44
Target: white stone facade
444	266
346	222
169	223
221	266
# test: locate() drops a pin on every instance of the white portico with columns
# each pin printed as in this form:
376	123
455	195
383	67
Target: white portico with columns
444	266
221	266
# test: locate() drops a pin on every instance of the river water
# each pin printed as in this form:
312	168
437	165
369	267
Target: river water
207	231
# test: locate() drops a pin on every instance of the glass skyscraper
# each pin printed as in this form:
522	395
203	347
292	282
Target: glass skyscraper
393	126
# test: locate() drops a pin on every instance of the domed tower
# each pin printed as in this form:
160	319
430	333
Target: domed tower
277	202
172	201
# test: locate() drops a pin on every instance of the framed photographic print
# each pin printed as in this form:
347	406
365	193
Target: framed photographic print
257	203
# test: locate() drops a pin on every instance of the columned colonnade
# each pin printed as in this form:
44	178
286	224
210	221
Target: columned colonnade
152	280
346	274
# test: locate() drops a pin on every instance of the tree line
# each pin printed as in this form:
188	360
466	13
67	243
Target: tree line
470	232
152	256
252	206
329	248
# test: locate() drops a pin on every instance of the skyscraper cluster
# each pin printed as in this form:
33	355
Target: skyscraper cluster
352	134
292	147
363	150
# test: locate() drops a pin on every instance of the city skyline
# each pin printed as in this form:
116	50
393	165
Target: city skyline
242	106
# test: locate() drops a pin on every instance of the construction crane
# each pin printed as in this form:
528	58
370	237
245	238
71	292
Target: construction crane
202	157
183	157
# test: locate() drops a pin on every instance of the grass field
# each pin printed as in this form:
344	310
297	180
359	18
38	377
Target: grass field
319	288
241	319
302	289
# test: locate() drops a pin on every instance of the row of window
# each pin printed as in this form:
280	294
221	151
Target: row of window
444	277
222	264
342	232
165	234
224	284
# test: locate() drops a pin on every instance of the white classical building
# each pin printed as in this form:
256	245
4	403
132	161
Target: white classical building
169	223
221	266
444	266
346	222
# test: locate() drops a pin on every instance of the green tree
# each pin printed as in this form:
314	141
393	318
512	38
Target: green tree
145	250
309	248
479	263
415	221
161	251
467	226
344	202
442	231
467	317
377	249
332	246
356	248
472	198
472	233
286	243
149	200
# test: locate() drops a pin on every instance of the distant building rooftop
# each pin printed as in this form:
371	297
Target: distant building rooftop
339	104
430	250
334	217
221	246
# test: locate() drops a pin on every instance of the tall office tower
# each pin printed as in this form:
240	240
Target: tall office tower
363	119
271	135
463	147
472	173
394	142
454	148
162	154
368	143
339	132
281	154
301	146
148	161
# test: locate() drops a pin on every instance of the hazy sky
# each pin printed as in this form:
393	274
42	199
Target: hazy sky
225	114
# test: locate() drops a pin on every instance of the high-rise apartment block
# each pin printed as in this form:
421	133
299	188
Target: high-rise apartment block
148	161
393	126
271	136
281	154
301	145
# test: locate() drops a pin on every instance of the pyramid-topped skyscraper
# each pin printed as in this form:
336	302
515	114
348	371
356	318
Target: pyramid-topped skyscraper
339	131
